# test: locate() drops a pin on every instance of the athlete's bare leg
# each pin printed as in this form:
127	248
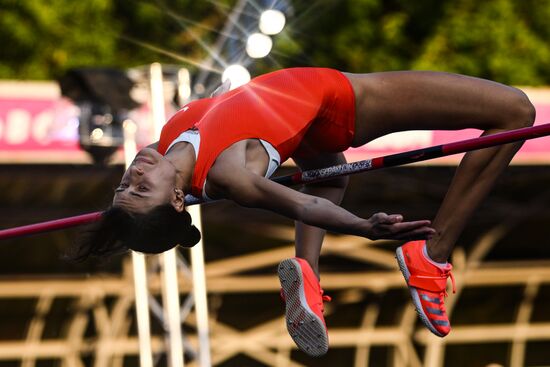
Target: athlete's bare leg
310	239
399	101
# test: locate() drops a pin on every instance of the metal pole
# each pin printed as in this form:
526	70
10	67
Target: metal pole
197	255
157	98
142	310
170	290
51	225
199	292
171	306
139	267
417	155
317	175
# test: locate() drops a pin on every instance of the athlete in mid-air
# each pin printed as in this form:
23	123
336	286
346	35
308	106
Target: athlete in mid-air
227	147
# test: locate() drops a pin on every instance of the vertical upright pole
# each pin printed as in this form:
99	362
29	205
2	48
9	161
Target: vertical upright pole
184	86
138	266
170	290
197	253
199	292
171	305
156	81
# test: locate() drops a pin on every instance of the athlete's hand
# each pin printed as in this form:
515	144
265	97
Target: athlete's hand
392	227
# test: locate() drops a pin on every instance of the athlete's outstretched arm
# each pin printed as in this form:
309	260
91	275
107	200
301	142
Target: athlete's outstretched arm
236	183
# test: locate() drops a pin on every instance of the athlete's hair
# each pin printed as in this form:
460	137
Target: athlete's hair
118	230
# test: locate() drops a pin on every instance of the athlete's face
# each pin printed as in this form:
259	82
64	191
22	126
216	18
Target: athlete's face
148	182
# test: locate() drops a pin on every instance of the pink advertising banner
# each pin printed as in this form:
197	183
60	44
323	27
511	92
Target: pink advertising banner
34	124
39	126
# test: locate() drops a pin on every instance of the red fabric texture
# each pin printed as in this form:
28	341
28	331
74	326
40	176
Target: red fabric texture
300	111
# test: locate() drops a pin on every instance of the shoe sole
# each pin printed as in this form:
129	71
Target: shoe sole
414	293
304	326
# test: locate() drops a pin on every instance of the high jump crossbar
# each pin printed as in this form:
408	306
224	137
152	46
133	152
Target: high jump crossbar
322	174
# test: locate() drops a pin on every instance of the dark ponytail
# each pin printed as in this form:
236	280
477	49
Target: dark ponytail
159	230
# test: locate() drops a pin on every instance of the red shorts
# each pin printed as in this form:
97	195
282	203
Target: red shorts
334	127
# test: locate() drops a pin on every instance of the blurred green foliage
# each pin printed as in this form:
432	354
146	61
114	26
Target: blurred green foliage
40	39
503	40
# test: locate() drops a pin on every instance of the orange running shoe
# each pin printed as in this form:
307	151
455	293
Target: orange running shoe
427	284
303	299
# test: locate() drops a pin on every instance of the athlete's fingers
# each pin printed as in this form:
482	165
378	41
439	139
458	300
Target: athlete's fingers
395	218
384	218
403	230
392	227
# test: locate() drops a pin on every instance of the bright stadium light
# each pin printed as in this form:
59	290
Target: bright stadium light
258	45
237	74
272	22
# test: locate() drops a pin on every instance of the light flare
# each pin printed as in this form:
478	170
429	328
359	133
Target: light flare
171	54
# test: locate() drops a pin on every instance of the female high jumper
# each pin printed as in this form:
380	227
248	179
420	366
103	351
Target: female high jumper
227	147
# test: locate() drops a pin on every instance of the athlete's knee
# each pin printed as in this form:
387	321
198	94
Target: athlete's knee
523	112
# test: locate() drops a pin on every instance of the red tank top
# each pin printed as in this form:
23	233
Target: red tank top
278	107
